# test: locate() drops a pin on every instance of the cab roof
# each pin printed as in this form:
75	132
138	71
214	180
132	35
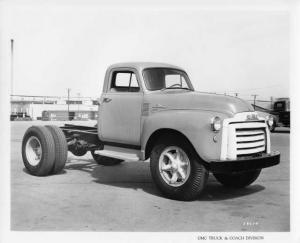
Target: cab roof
142	65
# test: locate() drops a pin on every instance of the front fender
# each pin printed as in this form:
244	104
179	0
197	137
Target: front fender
194	124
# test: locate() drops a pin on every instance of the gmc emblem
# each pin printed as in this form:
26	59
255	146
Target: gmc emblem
252	117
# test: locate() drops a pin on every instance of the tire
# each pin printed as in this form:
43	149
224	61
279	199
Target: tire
38	151
238	180
193	174
103	160
61	148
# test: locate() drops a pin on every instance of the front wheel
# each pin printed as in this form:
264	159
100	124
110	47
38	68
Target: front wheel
238	180
176	170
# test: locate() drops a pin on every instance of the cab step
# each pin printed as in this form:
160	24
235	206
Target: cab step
120	153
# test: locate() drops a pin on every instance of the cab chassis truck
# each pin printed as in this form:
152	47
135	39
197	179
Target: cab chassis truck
151	111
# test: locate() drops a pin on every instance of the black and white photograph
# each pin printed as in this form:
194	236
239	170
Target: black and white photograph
149	121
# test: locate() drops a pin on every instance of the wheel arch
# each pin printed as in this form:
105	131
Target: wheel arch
162	132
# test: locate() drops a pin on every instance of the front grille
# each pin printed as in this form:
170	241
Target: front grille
242	138
250	141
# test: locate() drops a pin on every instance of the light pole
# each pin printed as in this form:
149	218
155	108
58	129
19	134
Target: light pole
254	99
78	94
272	100
68	102
12	66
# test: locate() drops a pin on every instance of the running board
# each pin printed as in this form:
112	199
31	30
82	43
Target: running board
119	153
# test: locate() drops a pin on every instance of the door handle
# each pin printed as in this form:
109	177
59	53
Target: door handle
106	100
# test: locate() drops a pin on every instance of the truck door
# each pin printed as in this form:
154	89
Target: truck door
120	109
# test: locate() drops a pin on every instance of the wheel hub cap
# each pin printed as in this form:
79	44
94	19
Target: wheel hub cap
174	166
33	151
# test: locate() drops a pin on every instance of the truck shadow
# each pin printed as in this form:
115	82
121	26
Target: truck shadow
136	176
59	173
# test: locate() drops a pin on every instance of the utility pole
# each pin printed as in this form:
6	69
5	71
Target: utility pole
68	101
12	66
78	94
254	99
272	100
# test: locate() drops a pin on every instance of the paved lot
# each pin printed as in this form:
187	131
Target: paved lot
90	197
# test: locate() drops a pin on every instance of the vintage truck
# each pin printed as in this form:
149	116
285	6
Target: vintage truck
151	111
279	112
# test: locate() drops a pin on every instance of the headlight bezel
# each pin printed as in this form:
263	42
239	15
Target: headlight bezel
216	124
270	120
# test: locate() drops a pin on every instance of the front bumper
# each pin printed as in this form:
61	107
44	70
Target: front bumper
244	164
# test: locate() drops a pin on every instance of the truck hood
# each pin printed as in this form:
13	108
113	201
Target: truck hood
187	100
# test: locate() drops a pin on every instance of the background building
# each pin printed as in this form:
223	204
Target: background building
53	107
82	108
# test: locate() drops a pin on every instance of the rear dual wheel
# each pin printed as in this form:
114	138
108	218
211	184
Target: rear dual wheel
61	148
44	150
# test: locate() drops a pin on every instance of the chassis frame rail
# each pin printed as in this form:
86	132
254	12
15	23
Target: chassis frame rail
82	136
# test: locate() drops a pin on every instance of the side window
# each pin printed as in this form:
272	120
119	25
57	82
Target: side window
134	82
124	81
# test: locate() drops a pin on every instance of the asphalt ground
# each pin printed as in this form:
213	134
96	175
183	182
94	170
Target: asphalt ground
90	197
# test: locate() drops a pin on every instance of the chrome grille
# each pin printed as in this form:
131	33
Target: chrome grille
242	137
250	141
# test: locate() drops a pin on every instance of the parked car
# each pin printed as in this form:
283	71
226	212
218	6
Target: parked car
151	111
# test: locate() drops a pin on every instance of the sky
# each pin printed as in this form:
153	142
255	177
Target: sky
57	47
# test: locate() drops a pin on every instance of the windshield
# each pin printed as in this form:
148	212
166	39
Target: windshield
166	78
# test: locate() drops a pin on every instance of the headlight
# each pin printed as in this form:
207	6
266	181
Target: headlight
216	124
270	120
